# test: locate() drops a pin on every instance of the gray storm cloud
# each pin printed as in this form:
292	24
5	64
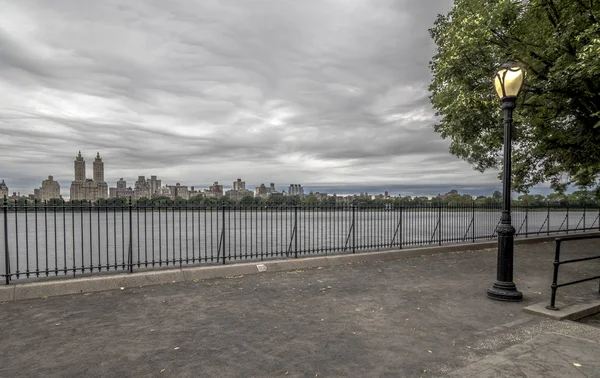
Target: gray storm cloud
199	91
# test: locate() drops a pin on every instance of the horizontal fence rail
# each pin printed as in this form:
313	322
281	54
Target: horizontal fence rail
43	240
557	263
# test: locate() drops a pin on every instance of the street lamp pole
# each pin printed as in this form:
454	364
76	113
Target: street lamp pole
508	82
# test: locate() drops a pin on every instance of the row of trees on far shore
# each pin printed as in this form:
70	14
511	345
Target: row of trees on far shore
576	199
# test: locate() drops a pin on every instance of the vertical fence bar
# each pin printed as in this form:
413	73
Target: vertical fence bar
295	231
440	224
130	257
548	218
401	221
526	220
473	221
6	256
567	219
555	276
37	251
46	233
353	230
223	233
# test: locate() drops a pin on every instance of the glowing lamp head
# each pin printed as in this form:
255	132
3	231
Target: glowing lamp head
508	81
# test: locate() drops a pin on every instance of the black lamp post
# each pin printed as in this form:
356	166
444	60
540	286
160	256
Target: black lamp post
508	82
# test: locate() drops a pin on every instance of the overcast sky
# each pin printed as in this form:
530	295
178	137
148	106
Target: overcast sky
315	92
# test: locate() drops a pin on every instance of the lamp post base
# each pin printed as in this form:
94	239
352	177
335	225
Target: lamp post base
504	291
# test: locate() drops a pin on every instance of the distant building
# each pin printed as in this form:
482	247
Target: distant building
296	190
154	185
3	189
125	193
86	189
179	190
163	192
239	185
120	191
50	190
261	191
385	195
142	188
239	190
195	193
215	190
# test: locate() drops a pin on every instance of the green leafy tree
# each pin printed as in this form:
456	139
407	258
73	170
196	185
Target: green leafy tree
556	134
247	201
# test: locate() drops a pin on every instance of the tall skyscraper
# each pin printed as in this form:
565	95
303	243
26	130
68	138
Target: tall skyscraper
3	189
98	169
154	184
296	190
239	185
79	168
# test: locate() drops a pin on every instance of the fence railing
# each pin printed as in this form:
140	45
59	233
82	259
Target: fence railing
42	240
557	263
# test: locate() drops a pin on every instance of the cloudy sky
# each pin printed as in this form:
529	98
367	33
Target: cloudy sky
317	92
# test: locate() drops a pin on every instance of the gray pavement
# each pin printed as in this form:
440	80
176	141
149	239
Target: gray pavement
422	316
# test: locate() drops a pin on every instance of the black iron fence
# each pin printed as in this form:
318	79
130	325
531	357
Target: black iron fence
41	240
557	263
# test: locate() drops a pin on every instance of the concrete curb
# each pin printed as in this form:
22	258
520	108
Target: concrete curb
22	291
574	312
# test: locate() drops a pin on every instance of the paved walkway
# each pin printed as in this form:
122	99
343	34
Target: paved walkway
425	316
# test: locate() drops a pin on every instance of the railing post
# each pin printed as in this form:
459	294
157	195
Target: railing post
130	254
401	226
555	277
6	256
548	218
567	219
353	230
473	222
223	233
526	220
440	224
296	231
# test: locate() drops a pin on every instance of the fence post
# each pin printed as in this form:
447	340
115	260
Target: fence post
554	285
130	254
548	217
526	220
223	233
401	226
353	230
6	256
296	231
567	219
473	220
440	224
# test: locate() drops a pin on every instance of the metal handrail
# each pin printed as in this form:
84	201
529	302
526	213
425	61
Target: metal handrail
557	263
